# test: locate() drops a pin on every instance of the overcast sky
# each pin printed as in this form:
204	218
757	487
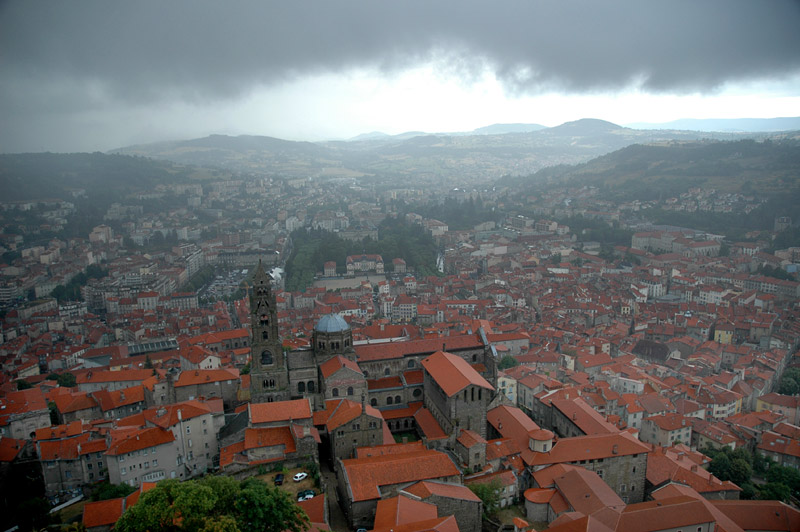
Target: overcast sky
96	75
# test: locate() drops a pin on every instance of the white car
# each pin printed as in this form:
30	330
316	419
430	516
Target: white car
300	476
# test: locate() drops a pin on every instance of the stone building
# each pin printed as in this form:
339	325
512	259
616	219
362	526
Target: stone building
619	459
363	481
456	395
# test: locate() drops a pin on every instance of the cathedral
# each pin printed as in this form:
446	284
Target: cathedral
279	375
390	376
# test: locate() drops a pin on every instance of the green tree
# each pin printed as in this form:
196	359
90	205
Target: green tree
220	504
106	490
774	491
66	379
507	362
489	494
720	466
740	471
22	384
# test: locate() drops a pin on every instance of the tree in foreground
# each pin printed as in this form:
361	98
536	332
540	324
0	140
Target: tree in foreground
214	504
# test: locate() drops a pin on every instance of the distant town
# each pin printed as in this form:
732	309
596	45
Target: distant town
556	359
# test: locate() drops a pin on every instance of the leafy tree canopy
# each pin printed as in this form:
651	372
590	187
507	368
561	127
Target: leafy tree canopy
489	494
214	503
66	379
106	490
507	362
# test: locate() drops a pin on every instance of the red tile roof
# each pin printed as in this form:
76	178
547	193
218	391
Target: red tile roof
389	350
428	488
137	439
428	425
584	416
591	448
452	373
402	510
366	476
332	365
169	415
761	515
279	411
204	376
665	514
10	449
513	423
270	437
103	513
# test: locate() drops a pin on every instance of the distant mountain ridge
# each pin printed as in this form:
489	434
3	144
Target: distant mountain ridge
751	125
472	157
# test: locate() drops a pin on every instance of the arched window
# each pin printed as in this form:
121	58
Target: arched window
387	371
350	390
269	383
406	423
397	400
373	402
335	392
389	400
311	387
366	374
266	358
301	387
412	363
264	320
264	335
474	358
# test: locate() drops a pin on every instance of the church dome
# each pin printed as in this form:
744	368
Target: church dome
331	323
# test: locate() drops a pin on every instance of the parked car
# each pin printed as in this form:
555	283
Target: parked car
300	476
305	495
279	479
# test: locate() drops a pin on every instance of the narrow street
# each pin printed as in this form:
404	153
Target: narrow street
336	517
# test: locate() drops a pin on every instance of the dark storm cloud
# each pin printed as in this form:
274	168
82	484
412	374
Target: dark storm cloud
141	51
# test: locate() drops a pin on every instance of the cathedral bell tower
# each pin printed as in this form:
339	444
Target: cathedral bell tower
269	376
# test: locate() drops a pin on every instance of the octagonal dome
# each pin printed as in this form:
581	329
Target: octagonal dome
331	323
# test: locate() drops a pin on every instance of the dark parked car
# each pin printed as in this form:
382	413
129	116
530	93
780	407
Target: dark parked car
279	479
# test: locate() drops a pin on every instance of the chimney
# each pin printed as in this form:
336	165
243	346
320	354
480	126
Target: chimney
693	468
615	449
180	415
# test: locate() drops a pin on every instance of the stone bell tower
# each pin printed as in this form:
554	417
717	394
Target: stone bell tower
269	374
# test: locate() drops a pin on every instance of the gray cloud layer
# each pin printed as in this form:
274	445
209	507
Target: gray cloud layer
142	51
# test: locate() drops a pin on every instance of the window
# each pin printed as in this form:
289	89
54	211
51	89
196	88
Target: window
417	392
389	400
264	335
190	442
301	387
373	402
188	431
155	462
123	471
204	422
350	390
397	400
335	392
386	371
310	387
412	363
89	467
266	358
122	458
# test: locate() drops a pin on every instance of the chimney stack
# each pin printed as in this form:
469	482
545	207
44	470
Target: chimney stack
615	449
